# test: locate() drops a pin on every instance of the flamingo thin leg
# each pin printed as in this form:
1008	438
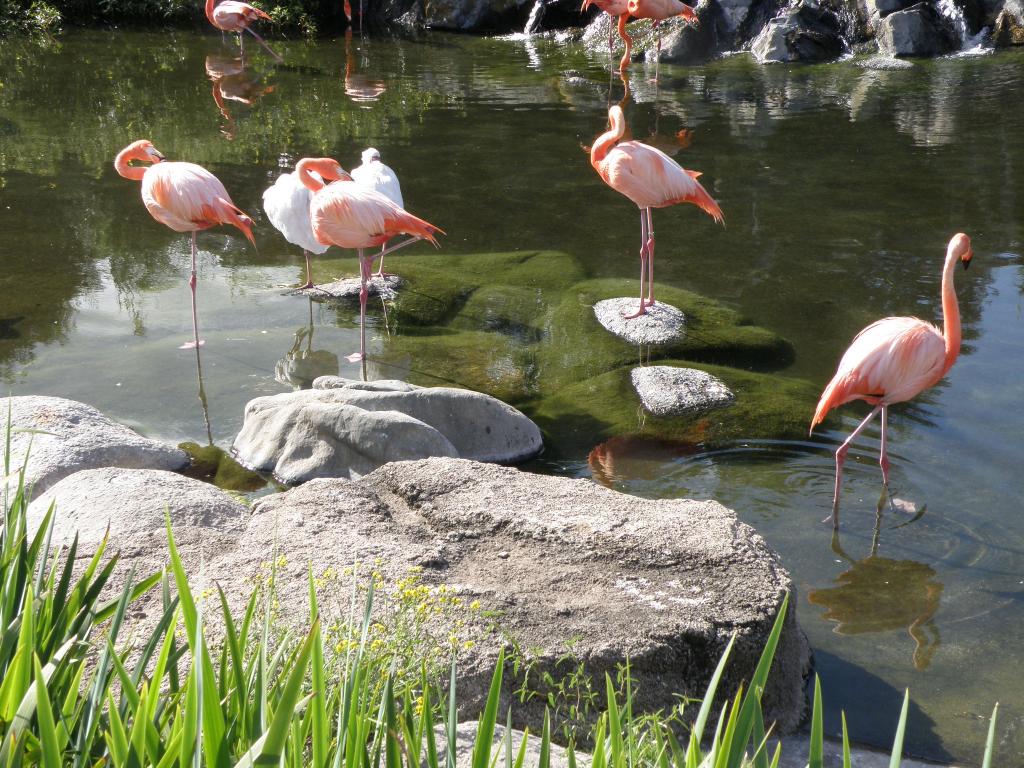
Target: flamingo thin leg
650	258
380	267
309	271
840	457
364	277
883	459
263	42
196	341
643	265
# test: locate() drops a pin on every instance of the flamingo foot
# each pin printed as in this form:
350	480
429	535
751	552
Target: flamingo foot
355	357
192	344
306	287
638	313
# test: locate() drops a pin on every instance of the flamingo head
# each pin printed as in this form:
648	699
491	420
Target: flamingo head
143	151
326	169
369	155
960	247
689	14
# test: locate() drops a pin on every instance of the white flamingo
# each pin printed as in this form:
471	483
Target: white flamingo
373	174
287	205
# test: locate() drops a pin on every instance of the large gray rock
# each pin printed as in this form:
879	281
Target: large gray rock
69	436
345	428
685	43
661	323
1009	25
917	31
133	502
553	561
666	390
805	31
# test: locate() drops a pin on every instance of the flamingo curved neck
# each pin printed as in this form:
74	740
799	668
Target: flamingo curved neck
309	181
950	312
135	173
609	138
210	5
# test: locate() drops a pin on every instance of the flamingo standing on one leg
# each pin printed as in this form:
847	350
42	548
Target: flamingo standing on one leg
658	11
184	196
234	16
616	9
651	179
894	359
286	203
349	215
373	174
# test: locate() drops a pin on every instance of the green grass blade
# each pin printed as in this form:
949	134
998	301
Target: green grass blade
485	729
816	748
709	695
846	742
50	747
990	741
897	744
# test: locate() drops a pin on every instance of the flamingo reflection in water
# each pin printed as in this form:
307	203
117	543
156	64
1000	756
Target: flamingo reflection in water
359	87
185	197
880	594
233	82
302	364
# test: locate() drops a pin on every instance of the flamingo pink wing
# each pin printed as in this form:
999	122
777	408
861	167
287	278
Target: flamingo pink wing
650	178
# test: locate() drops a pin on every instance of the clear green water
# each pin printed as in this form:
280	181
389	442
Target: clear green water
840	188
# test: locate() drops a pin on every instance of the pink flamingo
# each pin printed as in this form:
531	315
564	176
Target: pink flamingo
184	196
894	359
234	16
651	179
616	9
349	215
658	11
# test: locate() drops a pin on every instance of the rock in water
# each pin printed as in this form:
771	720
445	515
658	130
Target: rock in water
133	502
662	584
917	31
345	428
661	323
69	436
802	32
666	390
347	288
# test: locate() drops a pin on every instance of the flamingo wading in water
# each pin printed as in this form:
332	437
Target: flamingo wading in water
616	9
894	359
184	196
373	174
349	215
286	203
651	179
234	16
658	11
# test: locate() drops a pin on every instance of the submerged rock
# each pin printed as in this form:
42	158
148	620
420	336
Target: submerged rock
884	63
347	288
68	436
660	324
346	429
132	502
665	390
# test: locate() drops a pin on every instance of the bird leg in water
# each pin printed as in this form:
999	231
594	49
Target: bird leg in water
196	341
650	258
840	457
643	266
364	277
262	42
883	459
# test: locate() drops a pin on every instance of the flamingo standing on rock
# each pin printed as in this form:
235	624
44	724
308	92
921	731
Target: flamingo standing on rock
286	203
184	196
349	215
894	359
373	174
651	179
234	16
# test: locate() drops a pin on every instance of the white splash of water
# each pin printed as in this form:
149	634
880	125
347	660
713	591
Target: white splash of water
970	45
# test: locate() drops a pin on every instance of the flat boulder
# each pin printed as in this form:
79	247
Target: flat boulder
345	428
133	502
63	436
554	563
667	390
347	288
660	324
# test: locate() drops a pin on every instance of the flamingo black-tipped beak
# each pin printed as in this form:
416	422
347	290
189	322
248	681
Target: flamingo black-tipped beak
966	259
155	154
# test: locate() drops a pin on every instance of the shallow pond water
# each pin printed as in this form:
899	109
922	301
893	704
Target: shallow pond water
840	187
